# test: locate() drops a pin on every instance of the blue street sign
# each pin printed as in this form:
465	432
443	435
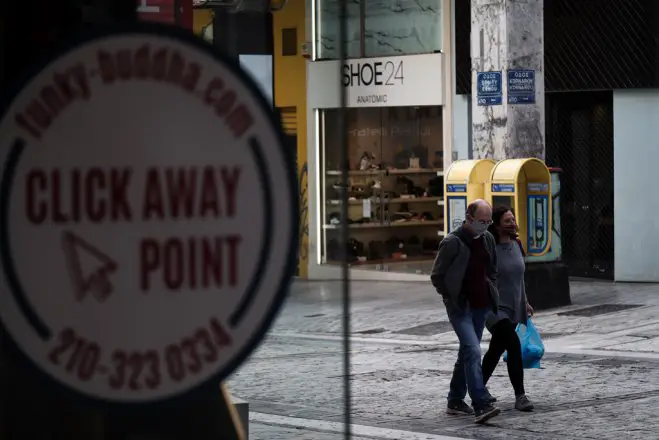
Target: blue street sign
503	188
489	90
456	188
521	86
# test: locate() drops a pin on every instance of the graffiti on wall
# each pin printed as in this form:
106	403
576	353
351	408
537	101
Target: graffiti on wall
556	248
303	182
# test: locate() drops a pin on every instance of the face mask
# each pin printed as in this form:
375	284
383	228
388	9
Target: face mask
477	228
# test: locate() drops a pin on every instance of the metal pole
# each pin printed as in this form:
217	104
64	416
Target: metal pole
344	232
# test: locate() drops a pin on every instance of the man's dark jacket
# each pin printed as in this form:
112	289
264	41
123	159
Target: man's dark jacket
451	264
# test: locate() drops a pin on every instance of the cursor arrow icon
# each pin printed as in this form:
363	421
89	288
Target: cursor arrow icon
89	268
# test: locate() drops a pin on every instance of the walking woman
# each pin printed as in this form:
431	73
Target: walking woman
513	305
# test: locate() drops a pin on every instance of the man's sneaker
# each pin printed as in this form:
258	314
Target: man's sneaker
489	398
459	408
486	413
522	403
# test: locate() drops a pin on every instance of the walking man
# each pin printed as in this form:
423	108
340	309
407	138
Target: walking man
464	274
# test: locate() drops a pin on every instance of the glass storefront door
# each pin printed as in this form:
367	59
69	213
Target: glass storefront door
395	187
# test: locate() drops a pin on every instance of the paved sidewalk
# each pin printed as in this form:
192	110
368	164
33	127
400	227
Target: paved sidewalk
384	309
596	383
272	426
273	432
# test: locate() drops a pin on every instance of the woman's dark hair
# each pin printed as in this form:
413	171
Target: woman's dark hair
497	215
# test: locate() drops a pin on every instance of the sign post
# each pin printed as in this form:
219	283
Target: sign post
148	228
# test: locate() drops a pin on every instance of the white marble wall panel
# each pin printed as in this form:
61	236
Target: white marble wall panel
390	27
327	29
398	27
508	34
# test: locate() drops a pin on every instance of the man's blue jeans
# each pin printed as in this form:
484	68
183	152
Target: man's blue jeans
467	373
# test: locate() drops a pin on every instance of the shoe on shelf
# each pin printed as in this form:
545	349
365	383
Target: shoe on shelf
459	408
486	413
522	403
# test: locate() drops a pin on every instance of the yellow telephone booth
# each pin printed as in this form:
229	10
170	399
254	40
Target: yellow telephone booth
525	186
464	182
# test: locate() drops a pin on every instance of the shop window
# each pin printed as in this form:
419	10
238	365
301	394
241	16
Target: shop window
397	27
395	190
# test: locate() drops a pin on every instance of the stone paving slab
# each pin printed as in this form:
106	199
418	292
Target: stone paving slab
394	307
337	429
398	388
639	345
269	432
399	381
622	420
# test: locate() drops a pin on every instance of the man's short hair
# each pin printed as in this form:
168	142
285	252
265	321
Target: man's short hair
472	208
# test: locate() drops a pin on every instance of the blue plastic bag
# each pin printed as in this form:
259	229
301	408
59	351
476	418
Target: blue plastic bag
532	347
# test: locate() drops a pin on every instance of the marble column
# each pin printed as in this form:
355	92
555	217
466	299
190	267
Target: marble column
508	35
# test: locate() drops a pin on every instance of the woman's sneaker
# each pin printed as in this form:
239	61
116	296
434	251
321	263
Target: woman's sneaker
459	408
522	403
486	413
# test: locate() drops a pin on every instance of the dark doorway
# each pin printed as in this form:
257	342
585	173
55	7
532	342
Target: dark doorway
579	128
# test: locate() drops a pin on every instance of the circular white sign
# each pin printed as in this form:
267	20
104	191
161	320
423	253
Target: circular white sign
148	216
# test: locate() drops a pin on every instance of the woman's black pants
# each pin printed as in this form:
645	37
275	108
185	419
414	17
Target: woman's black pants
504	339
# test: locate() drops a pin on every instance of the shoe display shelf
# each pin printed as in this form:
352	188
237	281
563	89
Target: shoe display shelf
394	215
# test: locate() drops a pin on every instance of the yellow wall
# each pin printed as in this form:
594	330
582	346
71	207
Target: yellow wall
290	78
201	19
